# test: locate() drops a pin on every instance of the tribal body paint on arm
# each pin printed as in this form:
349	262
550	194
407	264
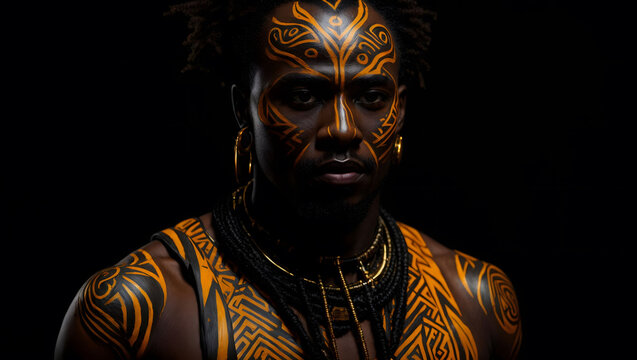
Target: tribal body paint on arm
120	305
355	49
493	291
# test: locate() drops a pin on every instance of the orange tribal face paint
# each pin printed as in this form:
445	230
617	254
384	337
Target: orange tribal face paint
325	96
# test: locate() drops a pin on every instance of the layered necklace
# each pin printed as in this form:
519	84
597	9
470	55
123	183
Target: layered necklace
330	305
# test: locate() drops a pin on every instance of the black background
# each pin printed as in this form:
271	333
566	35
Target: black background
517	153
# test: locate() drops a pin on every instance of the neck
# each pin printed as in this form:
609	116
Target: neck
318	236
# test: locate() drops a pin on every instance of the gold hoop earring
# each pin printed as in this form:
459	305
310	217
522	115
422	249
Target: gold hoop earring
241	149
398	149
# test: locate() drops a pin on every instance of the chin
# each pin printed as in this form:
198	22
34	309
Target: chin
335	210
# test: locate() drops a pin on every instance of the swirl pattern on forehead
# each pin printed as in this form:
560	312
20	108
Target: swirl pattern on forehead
376	42
285	37
289	42
373	46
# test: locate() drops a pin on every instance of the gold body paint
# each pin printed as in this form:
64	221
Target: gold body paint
494	292
434	327
120	305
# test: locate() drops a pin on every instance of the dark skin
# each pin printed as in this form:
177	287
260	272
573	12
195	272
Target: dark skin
318	103
176	335
335	111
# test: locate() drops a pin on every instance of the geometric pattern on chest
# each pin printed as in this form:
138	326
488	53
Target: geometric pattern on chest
258	332
434	328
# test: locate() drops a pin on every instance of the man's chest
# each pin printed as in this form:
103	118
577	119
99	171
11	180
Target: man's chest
249	326
433	326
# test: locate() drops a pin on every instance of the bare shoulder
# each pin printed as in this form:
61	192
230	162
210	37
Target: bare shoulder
121	310
423	245
484	293
489	287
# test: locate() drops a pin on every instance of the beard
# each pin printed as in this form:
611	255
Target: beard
333	211
320	206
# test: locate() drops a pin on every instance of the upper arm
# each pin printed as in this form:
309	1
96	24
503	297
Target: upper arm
492	289
117	308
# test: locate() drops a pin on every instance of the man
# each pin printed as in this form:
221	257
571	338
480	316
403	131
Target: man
301	261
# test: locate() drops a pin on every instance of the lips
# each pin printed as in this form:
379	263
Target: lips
335	172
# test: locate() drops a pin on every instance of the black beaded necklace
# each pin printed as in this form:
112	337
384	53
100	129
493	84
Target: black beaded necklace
329	311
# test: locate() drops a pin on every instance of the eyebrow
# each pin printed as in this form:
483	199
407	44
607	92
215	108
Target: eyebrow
309	80
299	79
372	80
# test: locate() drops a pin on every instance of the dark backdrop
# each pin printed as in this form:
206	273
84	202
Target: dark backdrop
517	153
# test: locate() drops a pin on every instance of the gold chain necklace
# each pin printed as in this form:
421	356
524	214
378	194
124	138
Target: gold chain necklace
382	236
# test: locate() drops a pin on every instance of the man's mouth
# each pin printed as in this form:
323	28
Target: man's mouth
341	179
335	172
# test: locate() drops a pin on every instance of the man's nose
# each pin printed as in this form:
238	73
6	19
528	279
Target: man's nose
340	131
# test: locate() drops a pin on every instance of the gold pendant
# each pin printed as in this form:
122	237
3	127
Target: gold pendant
339	313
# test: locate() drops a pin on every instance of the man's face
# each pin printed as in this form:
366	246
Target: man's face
325	102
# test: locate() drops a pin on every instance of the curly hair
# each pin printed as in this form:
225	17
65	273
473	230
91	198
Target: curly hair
222	40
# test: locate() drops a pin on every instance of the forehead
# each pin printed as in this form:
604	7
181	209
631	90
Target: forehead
329	38
326	11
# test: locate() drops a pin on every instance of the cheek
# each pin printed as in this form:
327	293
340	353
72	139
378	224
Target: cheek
264	149
381	133
279	135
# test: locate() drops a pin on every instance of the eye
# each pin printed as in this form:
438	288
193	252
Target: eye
301	99
372	99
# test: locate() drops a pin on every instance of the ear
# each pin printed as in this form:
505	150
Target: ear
401	106
239	106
